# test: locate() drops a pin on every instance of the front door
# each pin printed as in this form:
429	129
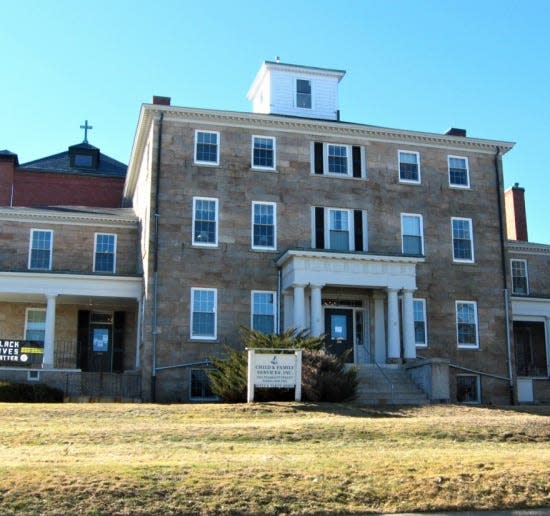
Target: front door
339	332
101	347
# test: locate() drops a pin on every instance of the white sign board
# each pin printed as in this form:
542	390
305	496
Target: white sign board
275	370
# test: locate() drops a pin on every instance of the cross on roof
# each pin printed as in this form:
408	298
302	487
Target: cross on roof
86	127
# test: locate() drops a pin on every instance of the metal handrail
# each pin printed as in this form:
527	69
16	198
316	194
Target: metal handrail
386	377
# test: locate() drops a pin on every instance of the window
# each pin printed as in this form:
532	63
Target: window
338	160
263	152
105	253
207	149
83	160
303	93
458	172
199	386
419	311
205	221
35	324
263	311
40	253
463	249
409	167
466	324
203	313
339	230
411	234
264	216
520	284
467	388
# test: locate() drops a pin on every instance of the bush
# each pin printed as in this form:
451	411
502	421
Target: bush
29	393
324	377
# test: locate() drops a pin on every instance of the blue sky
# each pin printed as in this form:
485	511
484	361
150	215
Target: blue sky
420	65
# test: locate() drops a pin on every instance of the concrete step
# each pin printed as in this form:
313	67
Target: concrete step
391	386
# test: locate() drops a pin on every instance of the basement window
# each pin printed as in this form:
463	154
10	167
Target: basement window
467	388
199	386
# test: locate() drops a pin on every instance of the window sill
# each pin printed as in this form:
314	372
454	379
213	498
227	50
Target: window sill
263	249
411	183
206	164
460	187
263	169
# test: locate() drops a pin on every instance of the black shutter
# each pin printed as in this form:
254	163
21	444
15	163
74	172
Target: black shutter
118	342
356	157
83	339
358	224
319	228
318	158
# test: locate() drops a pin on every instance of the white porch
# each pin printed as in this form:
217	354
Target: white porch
52	289
384	281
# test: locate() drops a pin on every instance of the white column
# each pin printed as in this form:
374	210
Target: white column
394	345
288	310
316	311
380	354
299	307
49	337
409	345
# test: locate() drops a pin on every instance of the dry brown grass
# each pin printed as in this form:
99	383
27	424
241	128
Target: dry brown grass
270	458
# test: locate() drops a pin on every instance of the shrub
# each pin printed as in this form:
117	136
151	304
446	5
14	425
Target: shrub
324	376
29	393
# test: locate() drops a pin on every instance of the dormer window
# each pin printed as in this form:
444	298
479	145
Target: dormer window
303	93
82	160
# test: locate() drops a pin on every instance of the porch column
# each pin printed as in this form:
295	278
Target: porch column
380	354
316	311
288	310
299	307
394	345
409	346
49	337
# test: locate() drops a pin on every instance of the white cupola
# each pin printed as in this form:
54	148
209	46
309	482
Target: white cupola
293	90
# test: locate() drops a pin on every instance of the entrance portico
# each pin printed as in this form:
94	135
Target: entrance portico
379	282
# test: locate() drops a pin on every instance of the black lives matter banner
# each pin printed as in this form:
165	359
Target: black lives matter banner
20	352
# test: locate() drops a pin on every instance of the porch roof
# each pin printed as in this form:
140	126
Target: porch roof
350	269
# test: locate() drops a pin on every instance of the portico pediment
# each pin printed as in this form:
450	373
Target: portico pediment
347	269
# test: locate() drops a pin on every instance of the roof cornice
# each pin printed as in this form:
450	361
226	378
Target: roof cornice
518	246
52	216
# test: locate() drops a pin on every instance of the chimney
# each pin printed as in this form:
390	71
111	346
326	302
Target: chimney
516	219
8	162
454	131
161	101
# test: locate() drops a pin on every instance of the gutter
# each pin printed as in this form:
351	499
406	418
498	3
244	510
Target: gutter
498	155
155	266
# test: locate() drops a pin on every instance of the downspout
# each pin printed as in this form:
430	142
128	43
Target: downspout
279	301
504	275
156	216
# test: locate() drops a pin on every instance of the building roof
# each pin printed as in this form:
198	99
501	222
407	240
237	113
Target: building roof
62	163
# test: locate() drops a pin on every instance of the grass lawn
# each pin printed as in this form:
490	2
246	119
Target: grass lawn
270	458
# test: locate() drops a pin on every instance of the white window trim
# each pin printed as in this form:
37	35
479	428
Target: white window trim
114	251
258	167
425	344
351	229
27	310
409	181
304	109
526	276
452	185
467	346
204	337
207	163
419	216
461	260
478	389
261	247
274	293
349	160
205	244
51	250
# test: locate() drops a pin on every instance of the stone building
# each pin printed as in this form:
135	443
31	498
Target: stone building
388	241
401	247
